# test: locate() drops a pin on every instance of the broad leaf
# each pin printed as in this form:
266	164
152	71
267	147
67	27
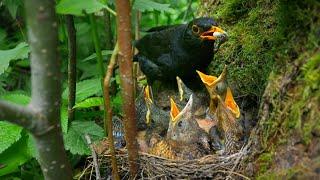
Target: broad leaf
19	52
77	7
15	156
90	102
11	133
93	56
12	6
75	140
148	5
85	89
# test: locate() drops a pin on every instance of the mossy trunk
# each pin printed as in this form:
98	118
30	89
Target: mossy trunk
273	55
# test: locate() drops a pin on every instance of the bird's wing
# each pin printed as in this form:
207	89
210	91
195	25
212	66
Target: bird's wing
157	43
160	28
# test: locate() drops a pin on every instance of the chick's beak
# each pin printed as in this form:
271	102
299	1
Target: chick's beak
231	103
174	111
213	33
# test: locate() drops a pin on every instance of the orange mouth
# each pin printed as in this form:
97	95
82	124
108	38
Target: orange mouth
213	33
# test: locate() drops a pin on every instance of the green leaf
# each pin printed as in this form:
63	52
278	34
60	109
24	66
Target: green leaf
12	6
90	102
85	89
15	156
94	55
11	133
75	141
19	52
16	98
148	5
32	146
77	7
117	103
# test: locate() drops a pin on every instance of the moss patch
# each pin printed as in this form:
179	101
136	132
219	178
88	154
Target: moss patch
263	35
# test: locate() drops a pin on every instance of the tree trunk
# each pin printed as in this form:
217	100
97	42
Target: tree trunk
42	116
126	80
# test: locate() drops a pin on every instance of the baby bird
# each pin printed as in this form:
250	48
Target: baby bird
185	139
199	108
149	115
224	109
152	120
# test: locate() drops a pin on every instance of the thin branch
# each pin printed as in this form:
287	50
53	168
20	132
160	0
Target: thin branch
17	114
126	80
111	10
94	157
108	115
72	65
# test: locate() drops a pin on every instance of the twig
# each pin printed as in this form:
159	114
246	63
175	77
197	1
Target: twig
108	111
17	114
94	156
126	80
111	11
72	47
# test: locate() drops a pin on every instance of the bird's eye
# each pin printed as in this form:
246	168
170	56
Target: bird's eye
195	29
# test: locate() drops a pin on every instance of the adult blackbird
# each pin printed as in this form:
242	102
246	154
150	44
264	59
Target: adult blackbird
178	50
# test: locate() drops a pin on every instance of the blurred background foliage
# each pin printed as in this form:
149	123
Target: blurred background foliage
17	152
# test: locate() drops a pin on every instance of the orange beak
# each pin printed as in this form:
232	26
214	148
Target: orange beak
231	103
174	111
213	33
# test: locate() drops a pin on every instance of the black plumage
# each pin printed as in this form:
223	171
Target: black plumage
178	50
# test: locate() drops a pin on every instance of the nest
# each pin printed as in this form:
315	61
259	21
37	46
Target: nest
155	167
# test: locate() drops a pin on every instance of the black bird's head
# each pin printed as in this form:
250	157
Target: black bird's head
204	29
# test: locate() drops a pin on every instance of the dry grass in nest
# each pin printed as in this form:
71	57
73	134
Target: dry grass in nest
154	167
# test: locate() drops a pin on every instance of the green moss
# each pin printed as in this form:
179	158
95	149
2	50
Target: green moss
263	36
264	161
282	174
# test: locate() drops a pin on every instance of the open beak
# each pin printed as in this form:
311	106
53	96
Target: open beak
208	80
211	81
231	103
176	114
213	33
174	111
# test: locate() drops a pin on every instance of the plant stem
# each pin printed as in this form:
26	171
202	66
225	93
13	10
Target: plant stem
107	21
72	65
126	80
97	46
108	125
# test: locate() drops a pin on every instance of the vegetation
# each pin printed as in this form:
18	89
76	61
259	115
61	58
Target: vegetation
273	61
82	31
